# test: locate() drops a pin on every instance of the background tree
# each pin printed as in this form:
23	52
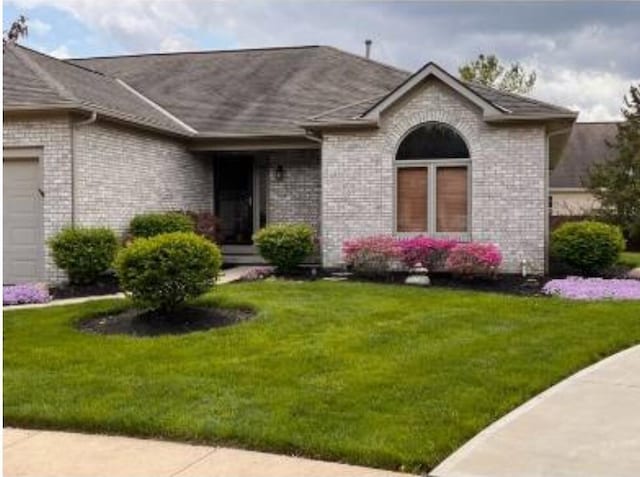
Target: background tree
17	30
490	71
616	183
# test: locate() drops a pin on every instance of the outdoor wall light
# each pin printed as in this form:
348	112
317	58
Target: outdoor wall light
279	173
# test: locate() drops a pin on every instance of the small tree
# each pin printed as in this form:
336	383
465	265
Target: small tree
17	30
489	71
616	182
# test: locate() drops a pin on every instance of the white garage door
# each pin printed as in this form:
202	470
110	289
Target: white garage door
22	221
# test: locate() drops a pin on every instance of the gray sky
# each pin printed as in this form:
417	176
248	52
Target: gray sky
587	54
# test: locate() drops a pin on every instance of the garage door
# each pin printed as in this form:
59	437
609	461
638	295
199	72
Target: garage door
22	221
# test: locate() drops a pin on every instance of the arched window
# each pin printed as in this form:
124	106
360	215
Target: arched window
432	182
433	141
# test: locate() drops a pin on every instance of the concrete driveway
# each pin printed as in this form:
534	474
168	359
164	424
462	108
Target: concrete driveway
585	426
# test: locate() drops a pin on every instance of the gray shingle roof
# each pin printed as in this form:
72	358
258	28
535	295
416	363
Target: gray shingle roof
32	79
587	146
252	91
268	91
515	103
22	86
511	104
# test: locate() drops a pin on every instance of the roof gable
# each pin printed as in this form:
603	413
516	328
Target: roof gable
430	70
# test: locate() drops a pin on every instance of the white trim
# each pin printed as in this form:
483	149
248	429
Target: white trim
156	106
431	69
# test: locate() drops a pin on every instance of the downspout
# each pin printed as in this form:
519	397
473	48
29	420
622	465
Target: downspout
92	119
547	214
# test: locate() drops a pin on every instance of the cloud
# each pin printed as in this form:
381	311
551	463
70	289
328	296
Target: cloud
38	27
584	52
175	43
61	52
597	95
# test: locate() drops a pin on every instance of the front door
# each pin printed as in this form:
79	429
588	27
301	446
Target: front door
234	199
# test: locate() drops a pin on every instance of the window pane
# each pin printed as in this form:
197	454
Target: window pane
412	199
433	141
451	200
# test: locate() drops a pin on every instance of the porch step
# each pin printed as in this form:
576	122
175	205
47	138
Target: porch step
243	259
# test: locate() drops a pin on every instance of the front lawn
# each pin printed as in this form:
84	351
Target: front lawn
378	375
631	259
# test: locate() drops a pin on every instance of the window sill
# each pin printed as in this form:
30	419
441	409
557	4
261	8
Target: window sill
459	236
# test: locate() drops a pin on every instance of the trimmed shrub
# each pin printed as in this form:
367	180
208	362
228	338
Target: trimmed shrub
587	247
206	224
84	253
371	256
284	245
432	253
164	271
474	259
151	224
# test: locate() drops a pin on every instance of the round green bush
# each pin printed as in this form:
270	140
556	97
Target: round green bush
84	253
164	271
285	245
587	247
151	224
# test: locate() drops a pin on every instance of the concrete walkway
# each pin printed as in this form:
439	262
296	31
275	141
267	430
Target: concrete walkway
227	276
65	454
585	426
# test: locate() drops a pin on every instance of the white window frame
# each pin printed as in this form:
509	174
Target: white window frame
432	166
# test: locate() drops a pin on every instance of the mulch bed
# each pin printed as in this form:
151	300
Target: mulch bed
509	284
135	322
107	286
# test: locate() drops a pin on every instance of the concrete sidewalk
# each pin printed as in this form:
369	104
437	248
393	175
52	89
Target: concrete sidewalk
45	454
585	426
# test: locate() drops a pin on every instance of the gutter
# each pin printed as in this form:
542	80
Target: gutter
92	119
529	117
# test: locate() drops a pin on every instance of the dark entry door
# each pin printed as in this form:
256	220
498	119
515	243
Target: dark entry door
234	199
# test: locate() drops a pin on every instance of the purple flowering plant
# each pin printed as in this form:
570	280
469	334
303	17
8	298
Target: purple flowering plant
578	288
25	293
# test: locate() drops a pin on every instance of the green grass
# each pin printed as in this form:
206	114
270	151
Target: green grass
378	375
632	259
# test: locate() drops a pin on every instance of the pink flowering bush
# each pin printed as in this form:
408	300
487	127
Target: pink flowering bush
474	259
430	252
371	255
377	255
578	288
26	293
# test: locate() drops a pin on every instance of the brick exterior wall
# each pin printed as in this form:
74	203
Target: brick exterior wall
349	192
296	198
120	172
53	135
508	177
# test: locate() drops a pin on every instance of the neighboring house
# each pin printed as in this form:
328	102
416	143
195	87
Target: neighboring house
587	146
303	134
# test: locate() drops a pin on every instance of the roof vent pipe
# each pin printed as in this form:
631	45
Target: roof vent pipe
367	49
